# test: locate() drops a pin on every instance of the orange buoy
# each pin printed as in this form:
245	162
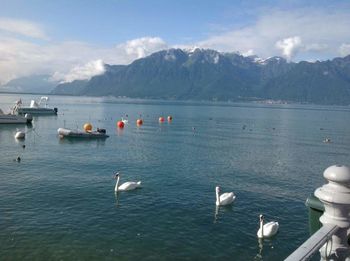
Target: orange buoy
120	124
139	122
170	118
161	119
87	126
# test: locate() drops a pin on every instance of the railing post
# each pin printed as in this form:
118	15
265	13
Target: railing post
335	195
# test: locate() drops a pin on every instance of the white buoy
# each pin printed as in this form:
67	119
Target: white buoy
20	135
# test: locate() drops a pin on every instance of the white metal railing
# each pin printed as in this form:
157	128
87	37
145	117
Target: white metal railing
313	244
332	238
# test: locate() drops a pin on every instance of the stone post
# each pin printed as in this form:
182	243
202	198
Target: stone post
335	195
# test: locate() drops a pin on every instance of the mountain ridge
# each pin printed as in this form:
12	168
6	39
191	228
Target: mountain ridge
204	74
37	83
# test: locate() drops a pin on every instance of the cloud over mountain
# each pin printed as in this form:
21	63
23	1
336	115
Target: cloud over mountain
289	46
22	57
321	31
144	46
81	72
344	49
123	53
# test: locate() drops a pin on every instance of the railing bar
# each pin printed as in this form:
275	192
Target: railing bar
314	243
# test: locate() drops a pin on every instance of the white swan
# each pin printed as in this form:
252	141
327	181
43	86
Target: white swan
125	121
268	230
224	199
130	185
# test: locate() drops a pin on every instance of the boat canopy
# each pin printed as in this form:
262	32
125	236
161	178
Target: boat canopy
44	99
34	104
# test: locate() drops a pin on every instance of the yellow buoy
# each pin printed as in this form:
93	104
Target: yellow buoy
87	126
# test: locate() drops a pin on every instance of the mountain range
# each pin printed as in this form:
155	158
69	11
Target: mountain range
210	75
38	83
203	74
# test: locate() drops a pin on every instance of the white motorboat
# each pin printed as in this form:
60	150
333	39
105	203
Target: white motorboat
35	107
14	119
67	133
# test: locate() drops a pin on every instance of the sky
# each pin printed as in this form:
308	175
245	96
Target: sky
73	39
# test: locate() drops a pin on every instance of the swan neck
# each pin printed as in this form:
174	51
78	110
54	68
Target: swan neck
262	227
117	184
217	198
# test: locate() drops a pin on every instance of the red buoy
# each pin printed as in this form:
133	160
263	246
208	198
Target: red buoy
161	119
170	118
139	122
120	124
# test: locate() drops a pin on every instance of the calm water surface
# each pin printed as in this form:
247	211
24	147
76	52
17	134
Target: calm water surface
59	203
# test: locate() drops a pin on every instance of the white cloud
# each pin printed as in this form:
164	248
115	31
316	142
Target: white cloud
17	58
22	27
323	34
289	46
81	72
344	49
22	57
121	54
320	30
144	46
317	47
250	52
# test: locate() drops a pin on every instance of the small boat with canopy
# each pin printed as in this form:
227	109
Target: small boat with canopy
35	108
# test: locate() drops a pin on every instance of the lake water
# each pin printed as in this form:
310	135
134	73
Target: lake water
59	203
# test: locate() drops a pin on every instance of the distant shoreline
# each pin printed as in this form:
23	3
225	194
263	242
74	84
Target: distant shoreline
35	93
244	102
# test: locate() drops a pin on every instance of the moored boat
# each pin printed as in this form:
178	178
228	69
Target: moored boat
14	119
67	133
35	107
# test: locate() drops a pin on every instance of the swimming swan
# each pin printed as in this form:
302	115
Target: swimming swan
224	199
130	185
268	230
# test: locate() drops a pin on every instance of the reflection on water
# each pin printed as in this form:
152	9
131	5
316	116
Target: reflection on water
73	140
264	243
259	255
117	195
221	211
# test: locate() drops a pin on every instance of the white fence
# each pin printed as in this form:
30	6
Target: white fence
332	239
